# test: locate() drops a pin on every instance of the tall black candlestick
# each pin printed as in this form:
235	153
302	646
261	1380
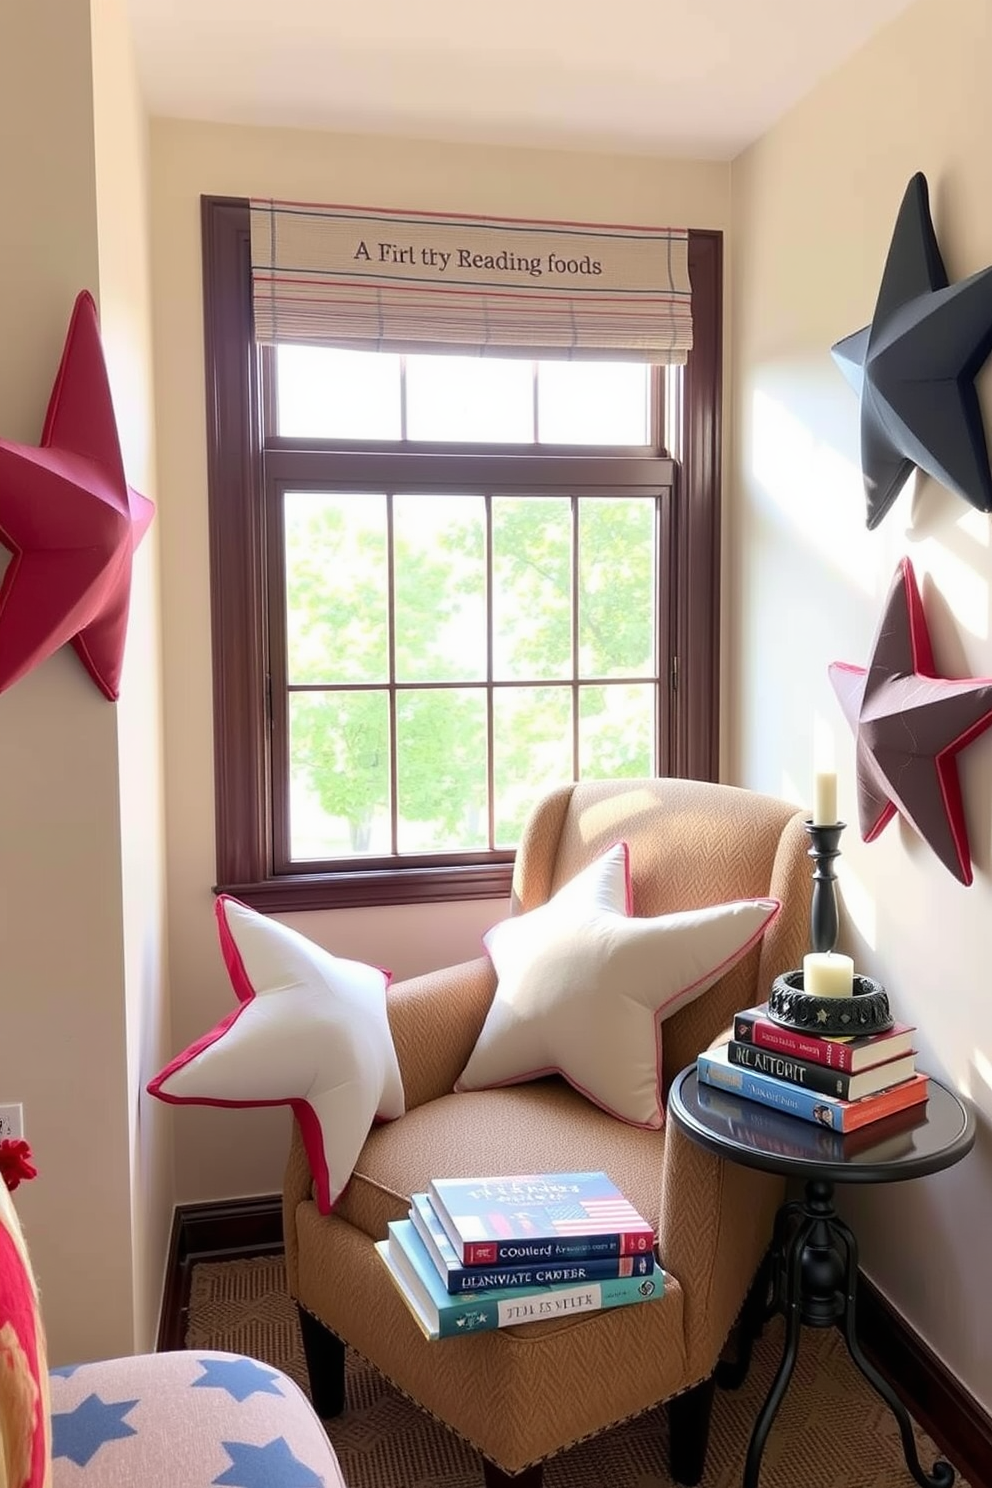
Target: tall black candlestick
823	920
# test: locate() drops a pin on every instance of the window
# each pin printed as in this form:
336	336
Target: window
440	585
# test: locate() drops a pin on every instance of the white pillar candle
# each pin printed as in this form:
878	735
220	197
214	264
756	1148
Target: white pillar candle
827	974
825	799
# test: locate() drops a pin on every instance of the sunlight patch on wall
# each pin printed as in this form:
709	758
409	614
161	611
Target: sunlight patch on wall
964	590
858	901
791	790
975	524
819	490
978	1082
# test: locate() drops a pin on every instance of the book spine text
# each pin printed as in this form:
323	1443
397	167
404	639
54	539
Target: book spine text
484	1278
802	1072
506	1312
809	1105
581	1248
796	1045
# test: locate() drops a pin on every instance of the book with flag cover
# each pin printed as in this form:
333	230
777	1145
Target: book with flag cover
851	1055
442	1314
518	1217
535	1271
714	1068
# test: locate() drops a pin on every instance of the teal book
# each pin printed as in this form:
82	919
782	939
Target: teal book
530	1270
443	1314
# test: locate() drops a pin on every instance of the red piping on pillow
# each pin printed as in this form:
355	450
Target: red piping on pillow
657	1121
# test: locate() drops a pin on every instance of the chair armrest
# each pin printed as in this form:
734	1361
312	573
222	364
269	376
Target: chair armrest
436	1019
716	1224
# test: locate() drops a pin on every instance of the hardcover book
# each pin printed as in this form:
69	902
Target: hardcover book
714	1068
535	1271
493	1220
768	1130
812	1076
851	1055
442	1314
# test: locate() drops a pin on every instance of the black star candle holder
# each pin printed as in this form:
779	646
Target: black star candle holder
866	1012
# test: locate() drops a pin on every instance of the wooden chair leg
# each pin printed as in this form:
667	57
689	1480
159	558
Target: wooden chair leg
689	1431
325	1355
731	1373
495	1477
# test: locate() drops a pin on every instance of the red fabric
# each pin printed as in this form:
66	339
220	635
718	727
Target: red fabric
909	726
21	1390
15	1162
71	523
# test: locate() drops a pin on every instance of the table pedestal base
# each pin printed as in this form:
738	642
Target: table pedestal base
812	1276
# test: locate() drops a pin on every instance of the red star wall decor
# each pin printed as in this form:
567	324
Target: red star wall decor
71	522
910	725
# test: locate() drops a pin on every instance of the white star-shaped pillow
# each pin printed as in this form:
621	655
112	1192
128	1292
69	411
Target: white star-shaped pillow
310	1031
584	987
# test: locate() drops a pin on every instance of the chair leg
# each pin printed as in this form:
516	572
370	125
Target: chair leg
325	1355
731	1373
689	1431
495	1477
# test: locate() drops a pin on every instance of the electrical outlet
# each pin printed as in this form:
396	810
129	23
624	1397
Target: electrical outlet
11	1120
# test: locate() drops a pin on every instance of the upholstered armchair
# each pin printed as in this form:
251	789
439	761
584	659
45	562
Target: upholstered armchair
520	1395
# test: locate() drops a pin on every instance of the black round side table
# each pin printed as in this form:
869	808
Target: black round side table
811	1270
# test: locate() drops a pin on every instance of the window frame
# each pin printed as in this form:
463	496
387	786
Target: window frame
648	477
239	598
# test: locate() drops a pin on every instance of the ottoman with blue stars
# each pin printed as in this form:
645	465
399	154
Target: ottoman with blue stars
182	1420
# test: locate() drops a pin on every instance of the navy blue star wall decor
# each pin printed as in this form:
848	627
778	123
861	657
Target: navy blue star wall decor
914	368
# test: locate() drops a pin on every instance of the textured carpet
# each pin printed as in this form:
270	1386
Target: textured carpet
831	1432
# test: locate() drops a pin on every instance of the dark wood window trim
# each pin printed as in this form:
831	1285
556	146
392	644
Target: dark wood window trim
238	602
696	640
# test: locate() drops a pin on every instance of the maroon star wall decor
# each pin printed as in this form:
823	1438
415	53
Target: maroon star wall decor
910	725
71	522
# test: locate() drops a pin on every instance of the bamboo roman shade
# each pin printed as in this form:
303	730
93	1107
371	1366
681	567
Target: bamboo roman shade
375	279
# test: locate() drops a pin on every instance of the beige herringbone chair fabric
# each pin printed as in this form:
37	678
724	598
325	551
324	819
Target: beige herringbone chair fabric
521	1394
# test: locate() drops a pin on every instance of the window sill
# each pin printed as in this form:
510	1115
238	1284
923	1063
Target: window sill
305	891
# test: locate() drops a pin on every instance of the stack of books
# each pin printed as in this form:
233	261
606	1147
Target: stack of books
482	1253
841	1083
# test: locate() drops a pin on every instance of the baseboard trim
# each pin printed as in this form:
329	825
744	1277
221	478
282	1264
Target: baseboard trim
235	1228
225	1231
927	1388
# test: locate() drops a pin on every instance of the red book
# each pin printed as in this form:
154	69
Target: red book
753	1026
855	1114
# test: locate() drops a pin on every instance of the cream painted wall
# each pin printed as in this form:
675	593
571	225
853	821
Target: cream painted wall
814	204
121	133
61	947
80	796
222	1153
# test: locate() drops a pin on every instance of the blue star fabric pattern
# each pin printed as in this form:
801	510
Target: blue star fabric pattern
271	1466
79	1434
914	369
186	1419
239	1377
